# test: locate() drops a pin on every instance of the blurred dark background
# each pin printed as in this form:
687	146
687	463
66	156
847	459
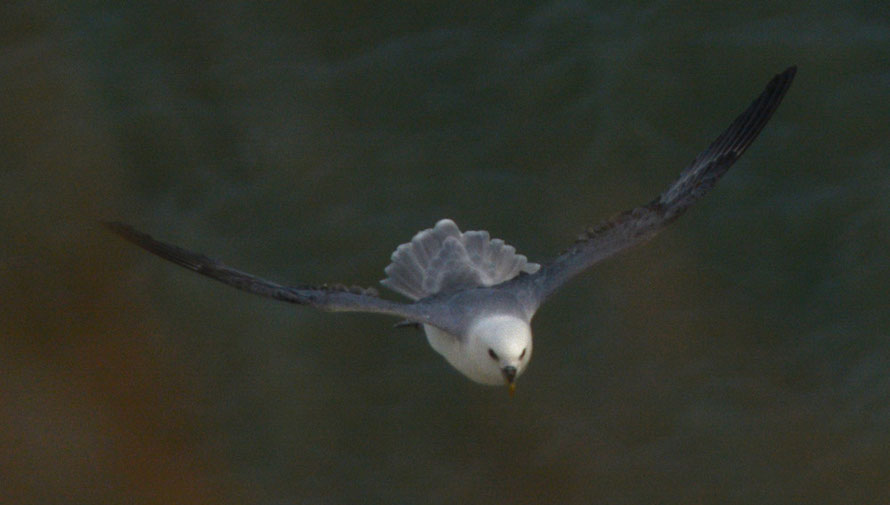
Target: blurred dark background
742	357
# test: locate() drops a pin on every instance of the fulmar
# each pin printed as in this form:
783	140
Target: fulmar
474	295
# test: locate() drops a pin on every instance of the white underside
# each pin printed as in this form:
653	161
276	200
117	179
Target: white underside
450	347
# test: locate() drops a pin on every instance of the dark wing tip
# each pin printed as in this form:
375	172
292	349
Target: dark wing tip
697	178
127	232
790	72
639	224
781	81
336	297
182	257
117	227
301	294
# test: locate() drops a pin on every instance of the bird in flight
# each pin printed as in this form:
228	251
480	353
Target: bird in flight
475	296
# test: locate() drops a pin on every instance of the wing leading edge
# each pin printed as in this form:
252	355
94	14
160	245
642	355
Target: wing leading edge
335	298
642	223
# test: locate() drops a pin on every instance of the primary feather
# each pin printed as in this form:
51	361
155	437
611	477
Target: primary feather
642	223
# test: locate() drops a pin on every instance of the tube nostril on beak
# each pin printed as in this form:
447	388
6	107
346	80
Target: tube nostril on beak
509	373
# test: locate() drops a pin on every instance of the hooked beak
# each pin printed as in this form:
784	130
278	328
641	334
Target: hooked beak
510	375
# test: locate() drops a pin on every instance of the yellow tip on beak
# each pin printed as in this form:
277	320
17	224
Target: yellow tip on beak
512	389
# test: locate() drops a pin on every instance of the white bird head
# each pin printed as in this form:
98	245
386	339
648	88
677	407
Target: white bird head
498	350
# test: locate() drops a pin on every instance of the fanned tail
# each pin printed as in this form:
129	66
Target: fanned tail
443	258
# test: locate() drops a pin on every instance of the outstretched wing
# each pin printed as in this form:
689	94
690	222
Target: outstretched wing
642	223
336	298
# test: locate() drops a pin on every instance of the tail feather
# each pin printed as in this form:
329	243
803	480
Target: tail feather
444	259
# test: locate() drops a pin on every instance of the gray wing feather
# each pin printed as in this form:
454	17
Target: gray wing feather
335	298
642	223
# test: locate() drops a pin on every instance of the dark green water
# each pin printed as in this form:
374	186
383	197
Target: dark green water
741	357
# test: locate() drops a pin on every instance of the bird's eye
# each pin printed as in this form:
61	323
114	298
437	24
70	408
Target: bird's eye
522	355
492	354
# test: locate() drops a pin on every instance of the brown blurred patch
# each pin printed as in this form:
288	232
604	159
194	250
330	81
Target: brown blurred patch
90	411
